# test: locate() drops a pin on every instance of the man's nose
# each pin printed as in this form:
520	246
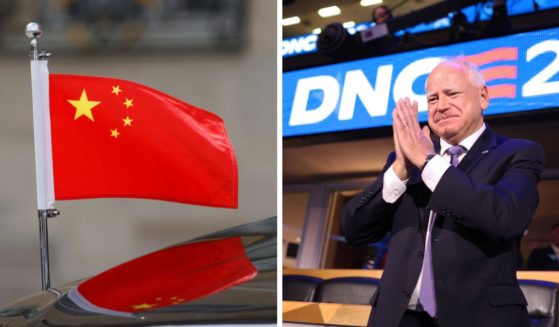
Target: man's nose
442	104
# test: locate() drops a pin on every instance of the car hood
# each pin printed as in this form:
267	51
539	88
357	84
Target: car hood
252	302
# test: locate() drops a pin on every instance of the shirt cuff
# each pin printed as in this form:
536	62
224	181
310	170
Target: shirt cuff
434	171
392	187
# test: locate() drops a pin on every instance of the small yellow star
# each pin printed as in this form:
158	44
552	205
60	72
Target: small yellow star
177	300
143	306
116	90
84	106
159	299
128	103
127	121
115	133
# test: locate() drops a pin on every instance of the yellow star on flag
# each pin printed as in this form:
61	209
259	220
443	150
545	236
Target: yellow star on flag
128	103
127	121
143	306
178	301
116	90
83	106
115	133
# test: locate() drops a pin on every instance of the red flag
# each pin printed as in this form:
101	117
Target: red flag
167	277
115	138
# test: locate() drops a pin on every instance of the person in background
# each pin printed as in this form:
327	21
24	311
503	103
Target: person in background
546	258
381	14
389	43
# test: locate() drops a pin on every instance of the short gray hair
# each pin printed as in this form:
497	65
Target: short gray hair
474	75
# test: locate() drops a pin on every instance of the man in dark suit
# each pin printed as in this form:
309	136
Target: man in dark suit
546	258
456	209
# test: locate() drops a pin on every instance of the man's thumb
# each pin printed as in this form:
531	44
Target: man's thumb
426	131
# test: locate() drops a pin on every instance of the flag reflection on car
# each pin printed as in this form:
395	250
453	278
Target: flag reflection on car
234	281
171	276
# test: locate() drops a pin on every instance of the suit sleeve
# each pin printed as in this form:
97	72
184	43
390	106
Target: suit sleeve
367	217
502	209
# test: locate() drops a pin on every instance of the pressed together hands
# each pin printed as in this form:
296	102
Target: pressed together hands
412	143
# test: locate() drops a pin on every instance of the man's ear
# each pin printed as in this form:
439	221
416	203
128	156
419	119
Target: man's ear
484	97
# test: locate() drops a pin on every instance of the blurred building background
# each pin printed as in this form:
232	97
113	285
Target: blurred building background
219	55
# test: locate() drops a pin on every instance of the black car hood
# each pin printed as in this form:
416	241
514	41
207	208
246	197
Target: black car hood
253	302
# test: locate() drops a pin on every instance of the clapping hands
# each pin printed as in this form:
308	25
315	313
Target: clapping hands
412	143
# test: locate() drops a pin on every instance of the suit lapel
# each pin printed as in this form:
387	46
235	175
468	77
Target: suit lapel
423	218
484	144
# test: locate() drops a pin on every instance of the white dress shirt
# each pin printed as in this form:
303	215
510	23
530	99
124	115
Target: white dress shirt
393	187
555	249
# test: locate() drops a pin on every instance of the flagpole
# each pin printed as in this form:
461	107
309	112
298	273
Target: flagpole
43	154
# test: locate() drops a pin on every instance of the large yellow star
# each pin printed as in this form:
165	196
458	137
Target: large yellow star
116	90
127	121
143	306
83	106
128	103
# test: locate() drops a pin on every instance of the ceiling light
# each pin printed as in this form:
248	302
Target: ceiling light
316	30
349	24
291	21
329	11
365	3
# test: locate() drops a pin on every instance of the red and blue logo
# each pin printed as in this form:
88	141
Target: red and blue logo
521	71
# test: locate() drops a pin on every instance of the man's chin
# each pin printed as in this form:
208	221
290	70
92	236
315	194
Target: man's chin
449	133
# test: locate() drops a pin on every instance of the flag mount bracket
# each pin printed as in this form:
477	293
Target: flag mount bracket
44	55
49	213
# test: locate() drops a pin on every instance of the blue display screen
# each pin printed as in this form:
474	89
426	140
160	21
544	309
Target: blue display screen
522	74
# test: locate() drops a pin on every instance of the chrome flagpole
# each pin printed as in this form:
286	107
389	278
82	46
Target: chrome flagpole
43	152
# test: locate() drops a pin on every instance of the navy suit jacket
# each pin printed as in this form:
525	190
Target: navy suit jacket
543	259
483	206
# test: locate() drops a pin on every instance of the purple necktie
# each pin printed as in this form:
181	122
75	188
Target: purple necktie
427	291
455	152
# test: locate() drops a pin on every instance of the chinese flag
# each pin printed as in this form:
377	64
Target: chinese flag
171	276
115	138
